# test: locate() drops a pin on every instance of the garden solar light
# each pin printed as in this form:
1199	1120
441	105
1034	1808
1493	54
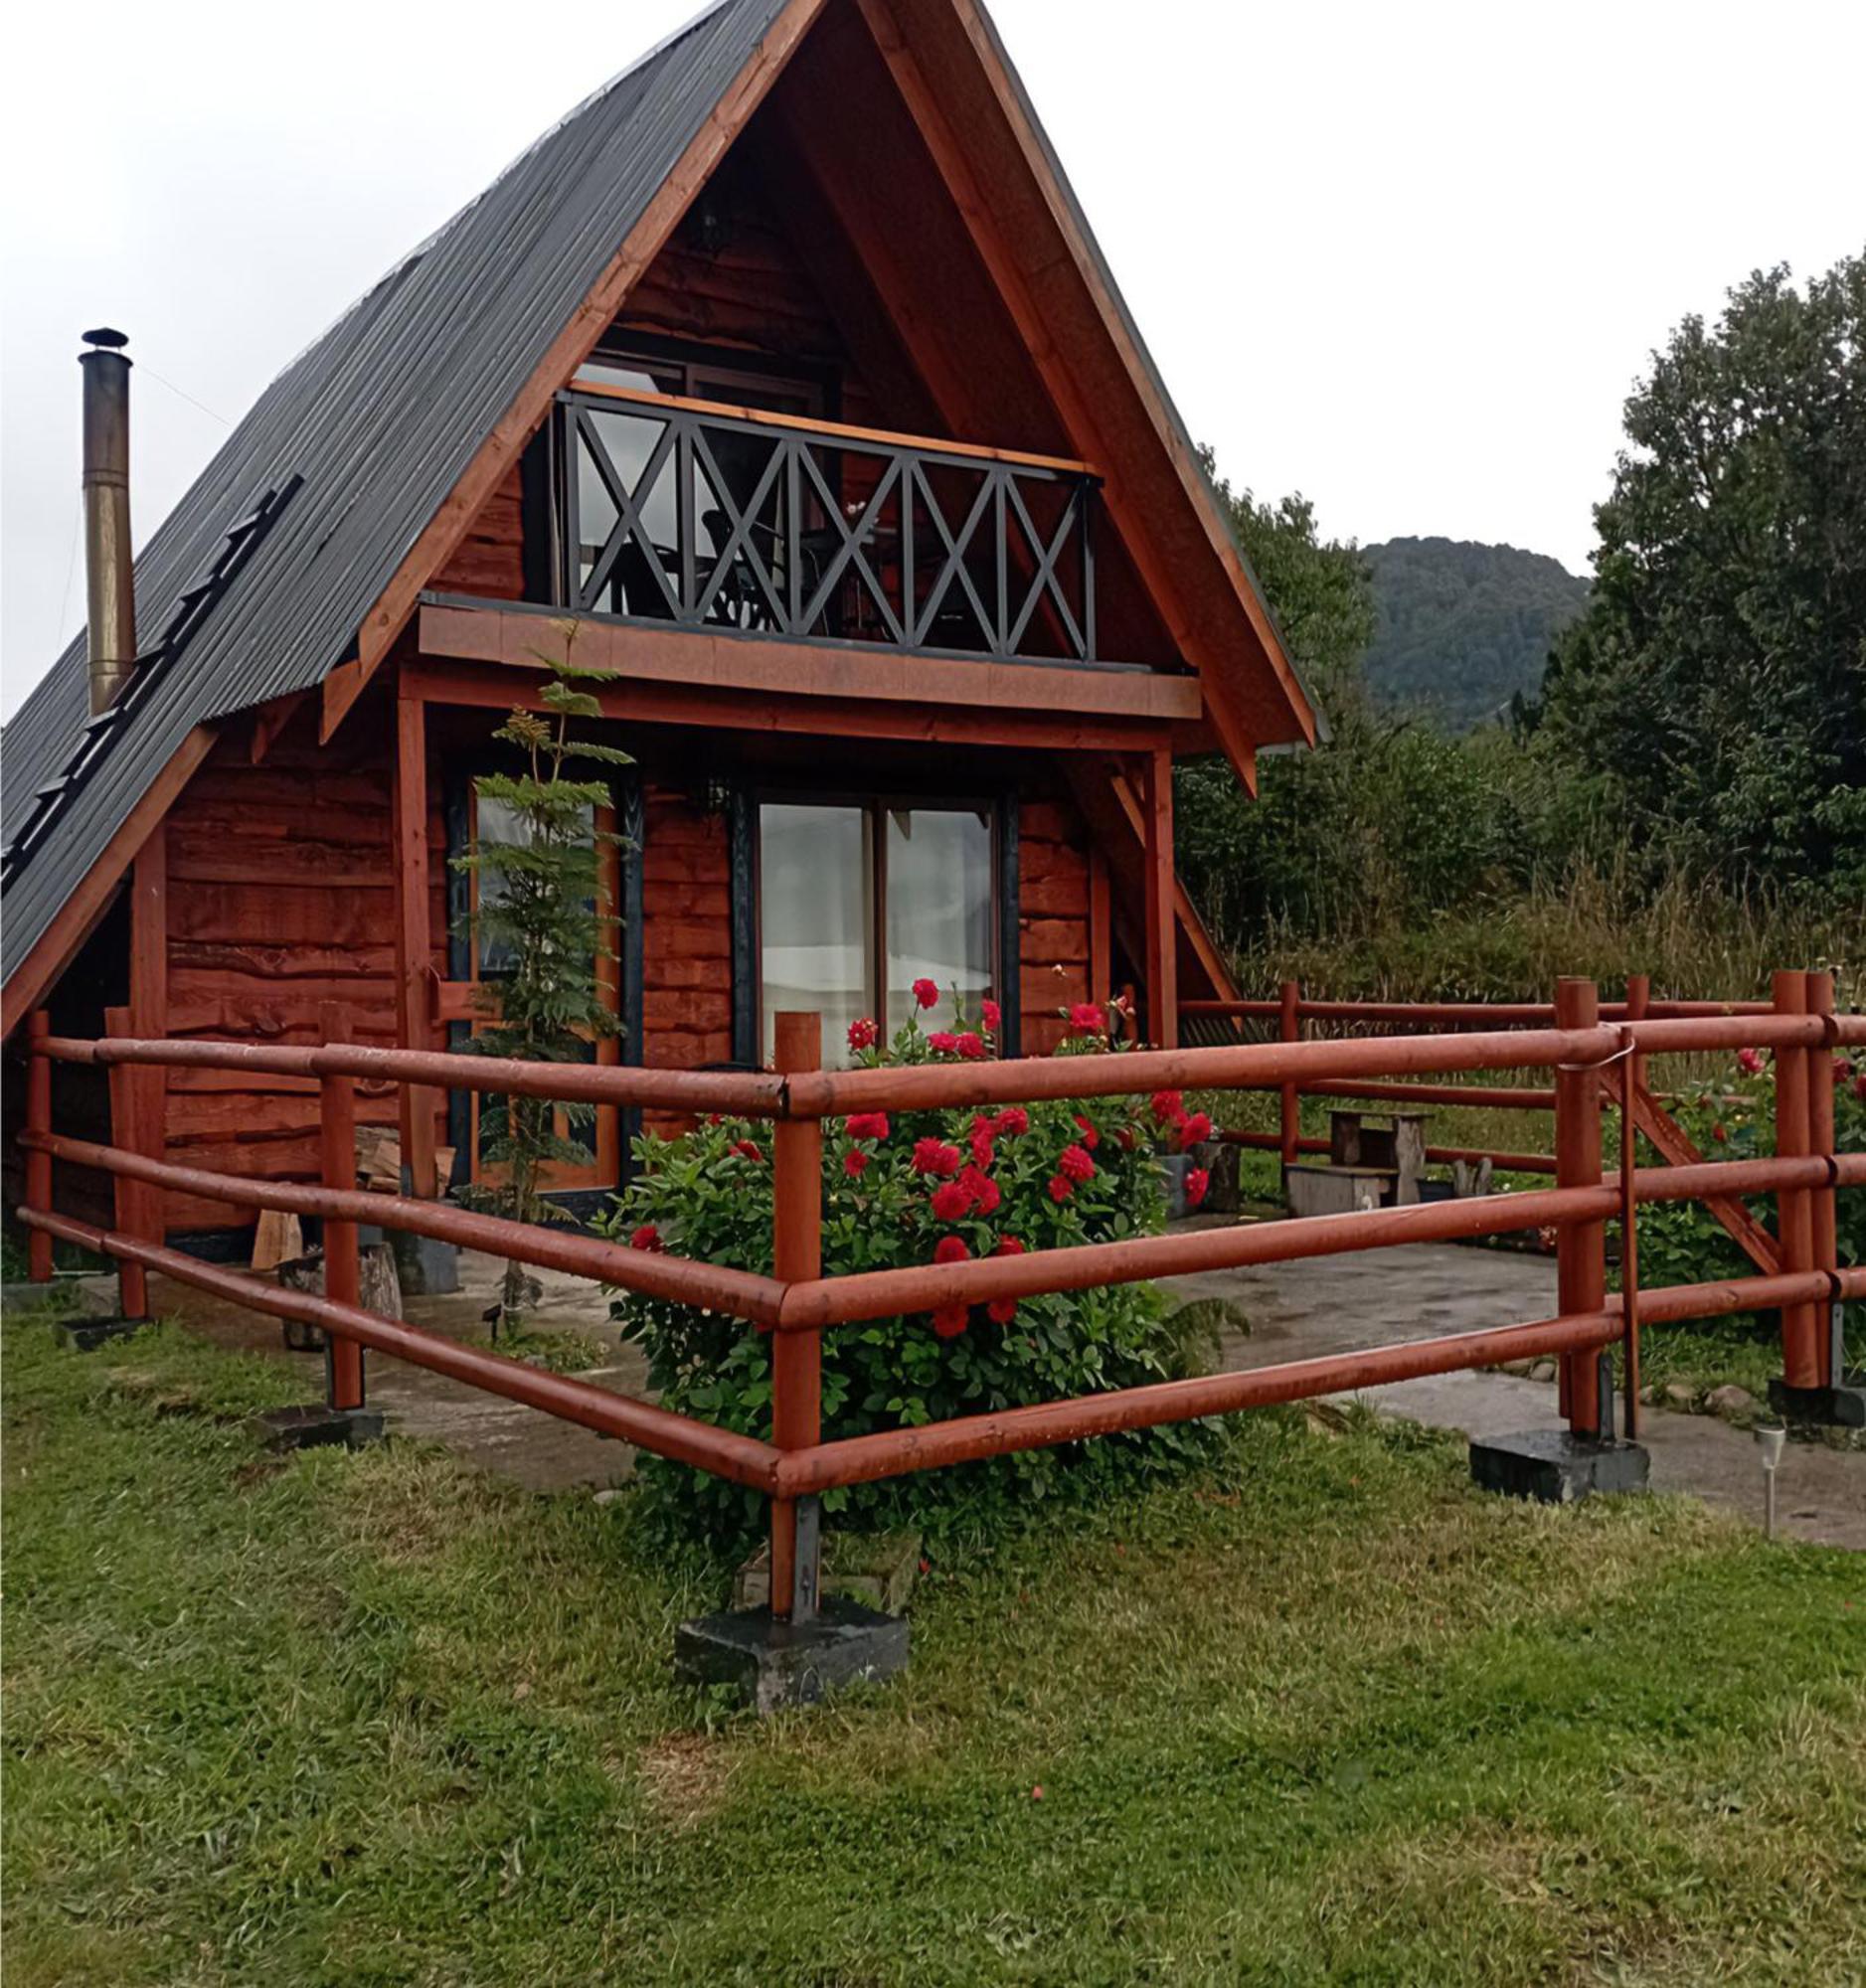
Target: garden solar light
1770	1437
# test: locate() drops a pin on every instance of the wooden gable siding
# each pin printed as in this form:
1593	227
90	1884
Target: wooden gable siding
490	559
1053	920
280	901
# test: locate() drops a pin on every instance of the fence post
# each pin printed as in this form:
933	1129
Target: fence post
1579	1248
343	1357
132	1282
1821	1141
796	1357
1801	1364
37	1120
1290	1030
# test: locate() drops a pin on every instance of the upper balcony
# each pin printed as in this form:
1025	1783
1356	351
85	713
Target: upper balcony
713	516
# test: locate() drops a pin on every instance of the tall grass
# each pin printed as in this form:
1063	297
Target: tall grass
1695	941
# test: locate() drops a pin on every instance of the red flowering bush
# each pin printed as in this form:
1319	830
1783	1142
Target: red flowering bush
914	1188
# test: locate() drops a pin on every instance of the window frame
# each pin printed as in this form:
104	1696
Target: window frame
1000	813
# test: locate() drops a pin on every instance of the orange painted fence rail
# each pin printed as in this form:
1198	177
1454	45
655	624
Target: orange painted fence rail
1586	1050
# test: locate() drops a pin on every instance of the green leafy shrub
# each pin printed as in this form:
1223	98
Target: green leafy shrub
916	1188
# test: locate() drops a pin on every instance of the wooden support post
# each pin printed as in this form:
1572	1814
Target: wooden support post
1629	1240
1822	1139
796	1357
133	1280
1101	928
413	939
1162	939
1290	1030
343	1358
1579	1248
37	1165
1638	1005
1802	1363
148	1013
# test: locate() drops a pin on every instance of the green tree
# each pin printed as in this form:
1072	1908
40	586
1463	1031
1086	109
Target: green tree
542	916
1717	682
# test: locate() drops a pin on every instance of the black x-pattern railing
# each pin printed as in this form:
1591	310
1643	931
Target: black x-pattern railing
790	551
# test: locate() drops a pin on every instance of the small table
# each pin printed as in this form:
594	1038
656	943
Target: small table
1389	1141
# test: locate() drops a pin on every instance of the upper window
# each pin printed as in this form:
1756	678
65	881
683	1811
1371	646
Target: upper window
858	900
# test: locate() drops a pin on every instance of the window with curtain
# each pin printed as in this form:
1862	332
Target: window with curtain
857	900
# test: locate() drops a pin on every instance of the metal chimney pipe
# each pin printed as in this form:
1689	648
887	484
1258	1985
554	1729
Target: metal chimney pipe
109	584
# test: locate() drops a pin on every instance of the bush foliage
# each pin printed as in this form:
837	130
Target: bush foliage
916	1188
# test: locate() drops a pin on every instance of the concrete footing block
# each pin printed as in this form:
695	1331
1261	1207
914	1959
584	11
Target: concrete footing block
1556	1467
91	1335
1842	1406
315	1426
774	1664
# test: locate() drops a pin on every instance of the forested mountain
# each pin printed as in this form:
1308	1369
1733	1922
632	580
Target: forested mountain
1463	627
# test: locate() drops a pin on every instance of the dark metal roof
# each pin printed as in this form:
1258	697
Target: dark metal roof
379	419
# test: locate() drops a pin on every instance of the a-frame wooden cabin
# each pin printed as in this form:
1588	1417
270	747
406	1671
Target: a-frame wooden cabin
787	369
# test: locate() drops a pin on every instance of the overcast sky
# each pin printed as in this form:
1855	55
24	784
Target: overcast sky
1405	259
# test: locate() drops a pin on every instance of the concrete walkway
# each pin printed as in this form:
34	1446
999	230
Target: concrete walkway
1336	1304
1296	1311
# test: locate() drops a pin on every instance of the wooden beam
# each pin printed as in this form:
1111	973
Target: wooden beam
1100	928
58	944
1063	464
1162	943
663	652
1192	927
148	1011
1086	429
413	935
271	719
568	351
723	708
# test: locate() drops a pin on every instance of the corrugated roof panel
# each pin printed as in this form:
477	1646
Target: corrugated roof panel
380	418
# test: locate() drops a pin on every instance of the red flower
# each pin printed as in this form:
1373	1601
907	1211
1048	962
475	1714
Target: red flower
1197	1181
950	1250
1167	1104
855	1164
714	1119
943	1042
648	1237
1073	1164
982	1152
1090	1137
1750	1062
745	1149
984	1189
1127	1137
1060	1187
950	1320
951	1202
1194	1130
864	1035
925	993
1717	1133
1002	1311
1009	1246
866	1125
1842	1070
971	1046
934	1156
1086	1019
1013	1120
993	1013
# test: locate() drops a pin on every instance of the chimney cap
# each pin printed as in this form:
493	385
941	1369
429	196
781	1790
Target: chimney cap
111	341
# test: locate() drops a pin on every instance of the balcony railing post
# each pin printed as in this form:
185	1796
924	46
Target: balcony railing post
1579	1246
132	1282
796	1357
37	1120
1801	1361
343	1358
1290	1030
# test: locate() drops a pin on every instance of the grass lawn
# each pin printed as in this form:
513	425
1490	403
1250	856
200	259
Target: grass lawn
1327	1715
